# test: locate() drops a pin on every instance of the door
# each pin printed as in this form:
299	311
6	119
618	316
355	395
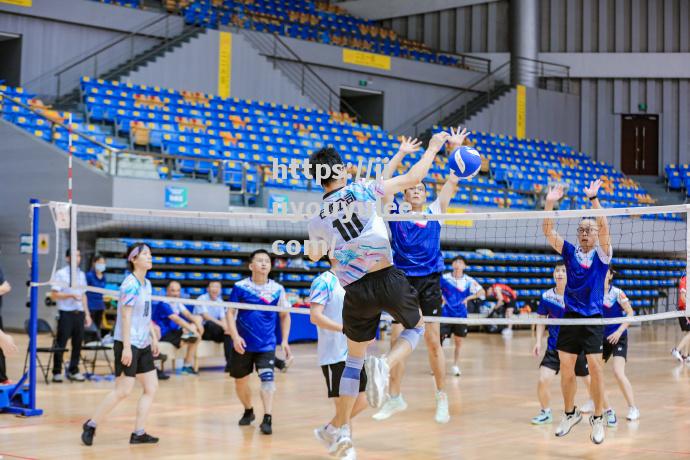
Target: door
11	58
365	105
640	145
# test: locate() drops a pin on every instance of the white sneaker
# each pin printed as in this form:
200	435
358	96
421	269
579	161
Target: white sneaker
76	377
325	436
633	414
588	407
687	360
568	422
507	332
378	374
456	371
390	407
598	430
343	442
676	354
350	454
442	415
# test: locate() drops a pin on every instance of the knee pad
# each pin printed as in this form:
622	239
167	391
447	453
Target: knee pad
267	379
412	335
349	381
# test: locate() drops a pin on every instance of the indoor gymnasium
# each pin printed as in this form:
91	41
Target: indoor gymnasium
352	229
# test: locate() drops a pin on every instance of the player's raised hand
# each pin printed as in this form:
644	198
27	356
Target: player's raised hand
457	137
438	140
409	145
593	188
555	193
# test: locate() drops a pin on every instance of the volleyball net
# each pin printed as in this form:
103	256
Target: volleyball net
649	244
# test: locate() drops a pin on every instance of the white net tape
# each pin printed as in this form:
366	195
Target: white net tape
652	237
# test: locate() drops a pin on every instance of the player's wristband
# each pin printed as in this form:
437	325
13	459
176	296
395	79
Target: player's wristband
592	198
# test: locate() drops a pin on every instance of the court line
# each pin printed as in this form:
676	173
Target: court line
3	454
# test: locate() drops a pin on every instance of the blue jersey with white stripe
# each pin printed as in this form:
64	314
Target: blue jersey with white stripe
552	305
258	328
584	292
613	309
417	244
455	291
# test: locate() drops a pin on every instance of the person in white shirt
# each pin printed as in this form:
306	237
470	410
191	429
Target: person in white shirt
215	321
73	311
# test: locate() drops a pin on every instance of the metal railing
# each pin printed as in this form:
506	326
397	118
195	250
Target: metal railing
114	54
482	91
114	156
272	47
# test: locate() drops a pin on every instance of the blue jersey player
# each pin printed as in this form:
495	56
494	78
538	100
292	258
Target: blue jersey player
360	246
586	264
417	252
552	305
458	290
253	335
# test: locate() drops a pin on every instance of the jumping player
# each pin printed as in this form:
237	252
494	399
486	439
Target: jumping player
586	265
552	305
458	290
326	309
253	335
135	347
359	242
616	305
417	252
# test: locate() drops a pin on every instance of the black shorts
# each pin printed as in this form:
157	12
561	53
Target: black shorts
428	293
243	365
458	330
684	323
334	372
619	349
142	361
174	337
365	299
578	339
553	362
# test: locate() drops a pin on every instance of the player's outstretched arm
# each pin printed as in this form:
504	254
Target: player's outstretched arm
602	222
450	188
408	145
418	172
554	239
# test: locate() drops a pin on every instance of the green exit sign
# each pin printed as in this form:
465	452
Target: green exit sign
642	107
363	83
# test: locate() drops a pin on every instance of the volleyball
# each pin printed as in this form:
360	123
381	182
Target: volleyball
465	162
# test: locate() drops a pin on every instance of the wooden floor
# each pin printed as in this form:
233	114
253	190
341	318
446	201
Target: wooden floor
491	406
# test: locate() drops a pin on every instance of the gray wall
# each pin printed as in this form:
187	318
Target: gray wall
57	33
150	194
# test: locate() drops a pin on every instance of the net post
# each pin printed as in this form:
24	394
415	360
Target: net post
31	410
74	267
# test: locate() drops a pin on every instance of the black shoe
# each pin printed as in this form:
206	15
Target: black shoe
162	375
265	426
87	433
247	418
142	439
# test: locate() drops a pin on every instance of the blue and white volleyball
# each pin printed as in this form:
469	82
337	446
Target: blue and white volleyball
465	162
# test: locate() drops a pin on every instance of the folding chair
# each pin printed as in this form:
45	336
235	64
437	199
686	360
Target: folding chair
43	327
93	342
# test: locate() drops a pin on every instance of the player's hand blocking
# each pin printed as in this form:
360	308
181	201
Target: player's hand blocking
555	193
438	140
409	145
457	137
593	188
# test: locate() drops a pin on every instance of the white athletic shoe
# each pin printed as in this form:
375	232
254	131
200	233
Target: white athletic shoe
343	442
350	454
633	414
390	407
325	436
568	422
687	360
588	407
676	354
507	332
442	415
378	374
598	430
456	371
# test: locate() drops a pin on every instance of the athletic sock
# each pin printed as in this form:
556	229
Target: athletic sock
330	429
139	432
570	413
597	417
91	423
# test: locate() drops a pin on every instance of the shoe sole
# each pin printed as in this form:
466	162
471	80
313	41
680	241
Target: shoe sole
341	448
579	419
84	441
597	443
546	422
390	414
374	390
442	421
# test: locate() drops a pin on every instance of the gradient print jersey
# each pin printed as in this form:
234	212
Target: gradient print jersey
455	291
258	328
136	296
613	308
584	292
359	243
327	291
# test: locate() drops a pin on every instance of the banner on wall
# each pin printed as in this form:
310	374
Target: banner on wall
459	222
224	64
176	197
377	61
26	3
521	112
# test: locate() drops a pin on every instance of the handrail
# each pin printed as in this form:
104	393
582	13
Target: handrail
113	43
321	80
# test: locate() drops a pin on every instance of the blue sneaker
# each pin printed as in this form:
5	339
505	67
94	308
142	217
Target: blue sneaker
543	418
611	419
188	370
